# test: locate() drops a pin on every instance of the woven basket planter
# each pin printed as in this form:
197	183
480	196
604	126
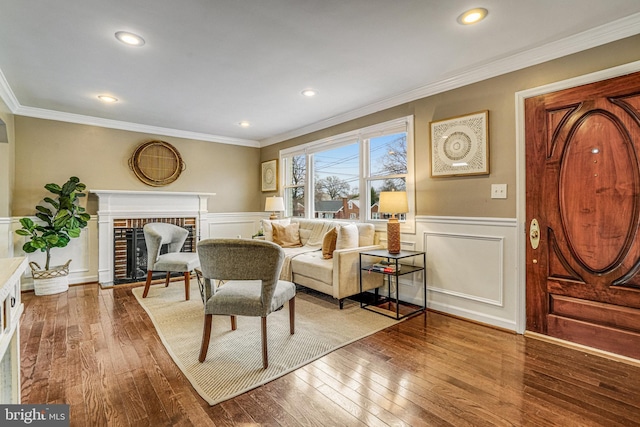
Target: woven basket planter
52	281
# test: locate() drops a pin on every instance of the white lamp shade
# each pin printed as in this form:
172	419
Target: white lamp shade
274	204
393	202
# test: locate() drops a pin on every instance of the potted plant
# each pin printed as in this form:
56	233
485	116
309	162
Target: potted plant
60	223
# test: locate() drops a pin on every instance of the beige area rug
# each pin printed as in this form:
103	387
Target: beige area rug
234	361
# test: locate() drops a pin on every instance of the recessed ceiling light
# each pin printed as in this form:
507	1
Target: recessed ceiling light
309	92
244	124
129	38
107	98
472	16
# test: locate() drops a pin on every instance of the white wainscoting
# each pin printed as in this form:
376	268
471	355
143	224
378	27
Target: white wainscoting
456	269
232	225
83	252
472	268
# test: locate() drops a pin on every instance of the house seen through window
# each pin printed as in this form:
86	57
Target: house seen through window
342	177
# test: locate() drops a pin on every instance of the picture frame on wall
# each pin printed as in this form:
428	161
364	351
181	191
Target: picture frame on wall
270	175
460	145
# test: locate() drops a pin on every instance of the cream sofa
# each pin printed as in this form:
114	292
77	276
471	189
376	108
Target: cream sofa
338	276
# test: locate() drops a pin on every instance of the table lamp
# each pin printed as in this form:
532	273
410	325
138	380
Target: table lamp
274	204
393	202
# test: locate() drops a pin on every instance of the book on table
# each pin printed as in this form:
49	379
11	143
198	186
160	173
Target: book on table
385	267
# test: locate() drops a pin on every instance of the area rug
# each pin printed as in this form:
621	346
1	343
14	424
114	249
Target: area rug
234	361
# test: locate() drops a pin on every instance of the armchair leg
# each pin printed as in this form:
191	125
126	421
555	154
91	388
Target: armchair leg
148	284
292	315
234	324
187	285
166	281
206	335
265	361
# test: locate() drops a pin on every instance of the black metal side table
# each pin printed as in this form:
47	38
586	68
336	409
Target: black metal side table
388	306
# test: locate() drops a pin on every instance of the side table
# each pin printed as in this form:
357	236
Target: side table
388	306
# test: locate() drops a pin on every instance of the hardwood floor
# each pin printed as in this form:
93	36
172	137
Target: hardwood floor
97	350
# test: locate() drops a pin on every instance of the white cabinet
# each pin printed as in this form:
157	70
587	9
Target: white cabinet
11	308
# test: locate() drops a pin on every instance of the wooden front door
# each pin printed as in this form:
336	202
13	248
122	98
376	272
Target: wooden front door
583	189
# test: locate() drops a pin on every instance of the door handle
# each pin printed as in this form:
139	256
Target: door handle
534	234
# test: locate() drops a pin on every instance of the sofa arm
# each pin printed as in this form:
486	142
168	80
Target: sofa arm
346	272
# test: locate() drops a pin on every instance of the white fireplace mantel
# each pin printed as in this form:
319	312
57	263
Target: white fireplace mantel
122	204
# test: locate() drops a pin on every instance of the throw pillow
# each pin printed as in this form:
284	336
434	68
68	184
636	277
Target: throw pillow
329	243
347	237
287	236
366	234
267	228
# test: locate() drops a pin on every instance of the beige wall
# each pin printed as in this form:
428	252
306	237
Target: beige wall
470	196
6	162
51	151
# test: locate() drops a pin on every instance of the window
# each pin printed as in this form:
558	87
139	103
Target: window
388	168
295	168
341	177
336	177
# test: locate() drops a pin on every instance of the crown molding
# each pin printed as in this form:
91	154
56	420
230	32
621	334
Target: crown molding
594	37
7	94
12	102
616	30
41	113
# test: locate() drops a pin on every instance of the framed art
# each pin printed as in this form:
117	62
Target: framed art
270	175
460	145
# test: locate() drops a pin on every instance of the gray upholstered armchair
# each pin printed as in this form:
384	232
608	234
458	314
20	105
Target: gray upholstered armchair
251	269
156	235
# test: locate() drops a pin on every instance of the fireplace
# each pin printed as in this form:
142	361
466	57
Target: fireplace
116	207
130	249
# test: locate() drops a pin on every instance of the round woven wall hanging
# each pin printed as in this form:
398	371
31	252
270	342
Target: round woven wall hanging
156	163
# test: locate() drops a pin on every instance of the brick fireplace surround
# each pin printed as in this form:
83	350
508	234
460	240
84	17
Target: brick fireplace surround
130	252
114	206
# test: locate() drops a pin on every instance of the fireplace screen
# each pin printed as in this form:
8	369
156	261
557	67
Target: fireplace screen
130	257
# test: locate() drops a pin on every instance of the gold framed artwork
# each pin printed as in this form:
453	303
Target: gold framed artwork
270	175
460	145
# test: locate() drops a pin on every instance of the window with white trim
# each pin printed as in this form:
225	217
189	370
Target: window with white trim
341	177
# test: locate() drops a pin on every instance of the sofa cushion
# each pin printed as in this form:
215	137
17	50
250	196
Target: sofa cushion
312	264
329	243
366	234
267	229
312	231
347	237
287	236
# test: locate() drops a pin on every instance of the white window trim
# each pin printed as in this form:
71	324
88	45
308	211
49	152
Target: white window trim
402	124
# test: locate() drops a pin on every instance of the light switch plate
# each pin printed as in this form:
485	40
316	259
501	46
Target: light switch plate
498	191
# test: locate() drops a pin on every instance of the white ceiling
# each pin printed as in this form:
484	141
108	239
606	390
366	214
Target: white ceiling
209	64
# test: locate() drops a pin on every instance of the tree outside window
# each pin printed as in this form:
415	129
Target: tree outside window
344	180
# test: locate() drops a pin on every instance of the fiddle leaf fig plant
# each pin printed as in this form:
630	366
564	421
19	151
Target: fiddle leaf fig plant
63	219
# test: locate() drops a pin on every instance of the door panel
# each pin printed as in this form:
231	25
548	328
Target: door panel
583	188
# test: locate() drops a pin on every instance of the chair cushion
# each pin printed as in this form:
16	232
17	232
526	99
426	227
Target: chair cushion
242	298
177	261
329	243
287	236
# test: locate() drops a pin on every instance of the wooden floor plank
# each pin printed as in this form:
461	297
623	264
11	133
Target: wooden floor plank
97	350
357	405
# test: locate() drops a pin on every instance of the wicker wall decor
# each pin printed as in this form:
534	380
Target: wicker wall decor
156	163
